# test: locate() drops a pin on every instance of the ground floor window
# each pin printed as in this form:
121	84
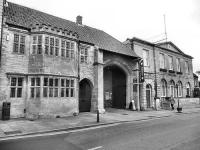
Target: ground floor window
188	89
16	87
172	89
163	88
52	87
67	88
180	89
35	87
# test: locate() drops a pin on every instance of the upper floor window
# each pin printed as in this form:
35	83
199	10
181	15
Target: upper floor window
84	54
178	64
37	44
19	44
16	85
186	67
171	63
146	57
162	61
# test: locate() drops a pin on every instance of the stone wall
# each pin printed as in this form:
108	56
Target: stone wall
129	66
187	102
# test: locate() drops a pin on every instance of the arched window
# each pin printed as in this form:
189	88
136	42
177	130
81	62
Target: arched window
172	88
163	88
180	89
148	95
188	89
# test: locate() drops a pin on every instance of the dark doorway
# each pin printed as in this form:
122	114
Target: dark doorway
148	95
114	87
85	94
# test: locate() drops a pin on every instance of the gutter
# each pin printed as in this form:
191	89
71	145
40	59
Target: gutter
4	1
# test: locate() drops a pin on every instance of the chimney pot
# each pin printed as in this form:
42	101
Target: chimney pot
79	19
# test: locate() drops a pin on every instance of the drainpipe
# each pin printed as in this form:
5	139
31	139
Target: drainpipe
2	22
138	87
155	80
138	82
78	69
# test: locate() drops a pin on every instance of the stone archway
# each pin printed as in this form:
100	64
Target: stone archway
115	87
85	95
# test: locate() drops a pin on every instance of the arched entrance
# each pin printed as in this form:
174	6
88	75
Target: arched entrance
148	95
114	87
85	94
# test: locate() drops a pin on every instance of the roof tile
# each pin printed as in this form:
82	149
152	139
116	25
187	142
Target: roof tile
26	17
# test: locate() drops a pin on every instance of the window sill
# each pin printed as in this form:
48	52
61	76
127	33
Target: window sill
179	73
171	71
163	70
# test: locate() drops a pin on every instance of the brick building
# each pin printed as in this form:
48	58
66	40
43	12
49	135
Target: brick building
168	71
53	67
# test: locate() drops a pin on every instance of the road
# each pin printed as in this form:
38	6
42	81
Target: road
179	132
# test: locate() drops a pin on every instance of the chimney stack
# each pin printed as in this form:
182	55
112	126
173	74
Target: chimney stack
79	19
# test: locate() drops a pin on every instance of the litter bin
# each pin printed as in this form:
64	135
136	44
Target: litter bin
6	111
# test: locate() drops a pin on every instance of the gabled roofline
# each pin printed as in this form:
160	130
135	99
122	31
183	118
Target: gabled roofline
169	42
157	45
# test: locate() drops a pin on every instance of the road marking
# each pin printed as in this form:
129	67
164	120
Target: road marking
94	148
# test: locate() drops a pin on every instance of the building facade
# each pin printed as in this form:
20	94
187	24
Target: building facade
52	67
168	71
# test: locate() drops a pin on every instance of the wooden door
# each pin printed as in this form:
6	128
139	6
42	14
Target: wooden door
84	96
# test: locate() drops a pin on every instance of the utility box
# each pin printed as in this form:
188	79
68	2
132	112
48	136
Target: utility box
6	111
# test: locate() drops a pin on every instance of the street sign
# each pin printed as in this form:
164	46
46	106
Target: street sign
141	71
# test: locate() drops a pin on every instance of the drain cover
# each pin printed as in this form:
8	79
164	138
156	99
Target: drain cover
124	114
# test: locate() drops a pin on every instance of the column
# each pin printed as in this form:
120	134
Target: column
98	93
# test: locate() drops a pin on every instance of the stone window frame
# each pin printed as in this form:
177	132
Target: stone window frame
51	87
187	67
67	88
180	89
146	60
172	88
37	41
35	87
170	59
16	87
162	58
178	64
163	88
19	43
84	54
188	89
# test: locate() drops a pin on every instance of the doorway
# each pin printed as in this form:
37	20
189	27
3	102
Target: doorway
148	95
114	87
85	94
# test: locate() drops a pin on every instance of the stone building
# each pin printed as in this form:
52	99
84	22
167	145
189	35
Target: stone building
53	67
168	71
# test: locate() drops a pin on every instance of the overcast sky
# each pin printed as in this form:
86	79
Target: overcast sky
134	18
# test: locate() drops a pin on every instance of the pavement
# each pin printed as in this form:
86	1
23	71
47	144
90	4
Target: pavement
20	127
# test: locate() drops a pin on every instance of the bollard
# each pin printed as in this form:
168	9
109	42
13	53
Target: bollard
97	115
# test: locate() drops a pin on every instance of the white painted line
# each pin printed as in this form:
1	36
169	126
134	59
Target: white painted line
95	148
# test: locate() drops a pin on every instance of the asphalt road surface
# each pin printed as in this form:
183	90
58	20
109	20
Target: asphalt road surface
179	132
